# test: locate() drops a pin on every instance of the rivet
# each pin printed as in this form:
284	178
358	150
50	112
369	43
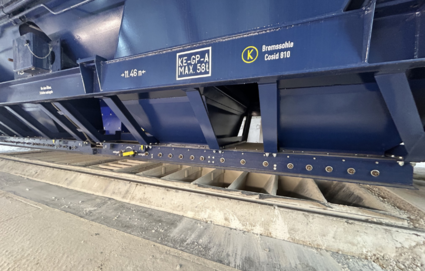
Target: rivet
290	165
375	173
160	154
170	155
265	164
192	157
243	162
222	160
329	169
202	158
351	171
309	167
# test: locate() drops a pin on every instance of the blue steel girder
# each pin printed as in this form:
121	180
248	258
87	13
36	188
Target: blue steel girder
12	127
61	120
119	109
201	113
398	96
29	121
306	47
386	171
85	126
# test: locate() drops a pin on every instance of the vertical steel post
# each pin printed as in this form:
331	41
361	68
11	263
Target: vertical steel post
269	116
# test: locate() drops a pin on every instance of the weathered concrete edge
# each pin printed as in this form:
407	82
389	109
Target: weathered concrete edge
315	230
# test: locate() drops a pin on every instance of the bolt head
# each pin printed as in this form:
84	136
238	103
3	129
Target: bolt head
192	157
329	169
351	171
170	155
265	164
309	167
202	158
222	160
290	166
243	162
160	154
375	173
180	156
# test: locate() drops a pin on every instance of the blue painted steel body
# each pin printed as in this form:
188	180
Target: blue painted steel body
269	102
339	81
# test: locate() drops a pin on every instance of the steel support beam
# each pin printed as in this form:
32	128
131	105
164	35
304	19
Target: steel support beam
5	131
85	126
398	96
61	121
201	113
29	121
246	126
128	120
269	94
7	122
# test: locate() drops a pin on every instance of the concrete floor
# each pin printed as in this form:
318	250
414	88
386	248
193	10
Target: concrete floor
36	237
47	227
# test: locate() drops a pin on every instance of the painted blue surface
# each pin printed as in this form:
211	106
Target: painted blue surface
350	118
269	104
391	173
314	49
111	123
190	21
167	119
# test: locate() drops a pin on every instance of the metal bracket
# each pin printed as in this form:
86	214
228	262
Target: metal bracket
88	68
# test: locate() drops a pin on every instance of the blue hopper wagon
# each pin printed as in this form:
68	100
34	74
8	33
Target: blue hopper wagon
339	85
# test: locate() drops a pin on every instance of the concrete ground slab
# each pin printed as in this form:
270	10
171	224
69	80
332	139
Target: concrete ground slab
37	237
48	211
